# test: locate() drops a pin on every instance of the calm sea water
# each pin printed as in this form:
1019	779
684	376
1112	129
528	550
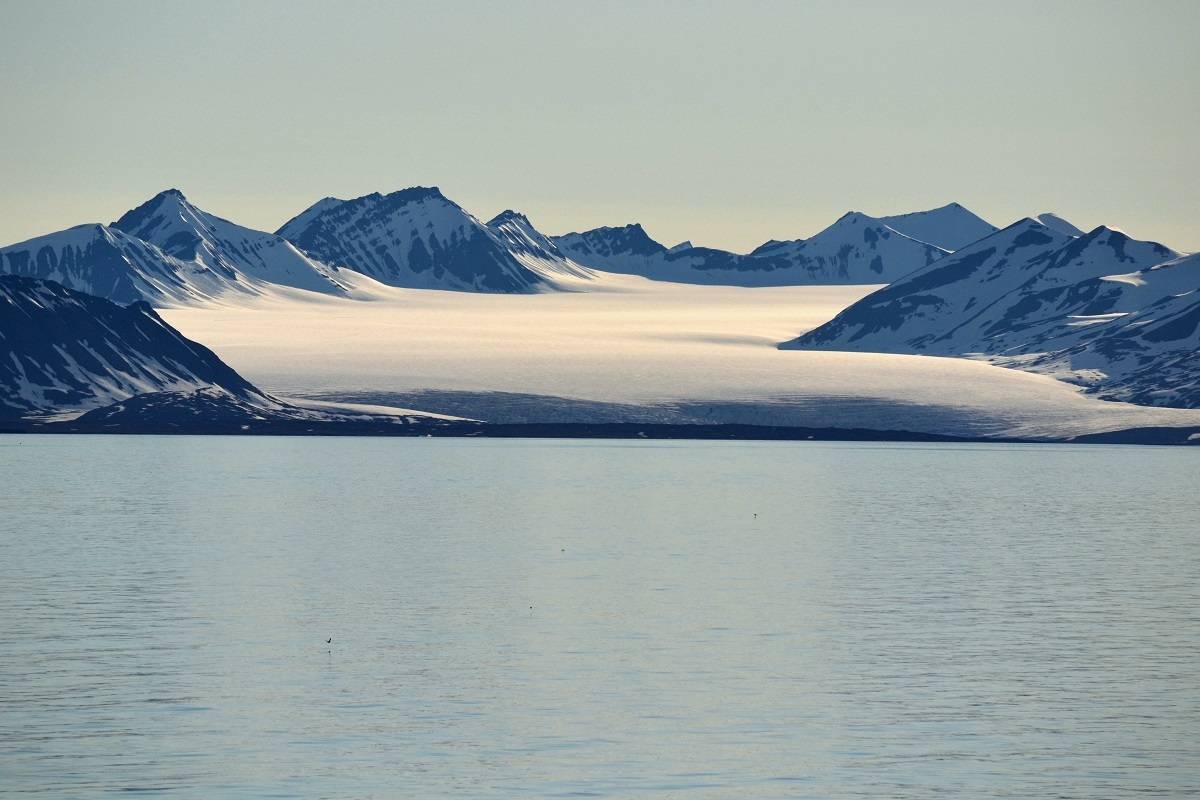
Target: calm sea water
554	618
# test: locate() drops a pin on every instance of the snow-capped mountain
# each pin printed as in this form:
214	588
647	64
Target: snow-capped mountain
1141	345
197	238
532	248
104	261
626	249
419	238
855	249
630	250
167	252
66	350
1101	309
949	227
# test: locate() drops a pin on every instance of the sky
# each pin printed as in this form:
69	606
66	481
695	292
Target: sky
724	123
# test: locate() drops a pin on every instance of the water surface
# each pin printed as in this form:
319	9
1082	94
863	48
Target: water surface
607	619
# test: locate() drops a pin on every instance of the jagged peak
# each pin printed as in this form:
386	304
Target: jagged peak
608	230
400	197
508	215
376	204
164	202
415	194
773	244
632	227
169	197
853	218
631	239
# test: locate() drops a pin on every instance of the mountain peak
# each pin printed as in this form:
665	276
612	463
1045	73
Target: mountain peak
143	219
418	238
1124	247
853	218
169	198
950	227
414	194
1059	224
508	215
1100	230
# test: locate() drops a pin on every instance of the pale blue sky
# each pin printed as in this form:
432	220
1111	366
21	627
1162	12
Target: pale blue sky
726	123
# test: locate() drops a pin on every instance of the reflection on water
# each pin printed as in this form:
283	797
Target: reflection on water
519	618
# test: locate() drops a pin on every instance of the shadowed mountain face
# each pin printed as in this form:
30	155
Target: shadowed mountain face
1115	314
65	350
167	252
856	249
420	239
1145	350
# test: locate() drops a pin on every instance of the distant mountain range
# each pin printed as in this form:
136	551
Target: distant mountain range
169	252
1118	315
856	249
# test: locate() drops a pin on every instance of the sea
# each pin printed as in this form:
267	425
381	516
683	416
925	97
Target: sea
271	617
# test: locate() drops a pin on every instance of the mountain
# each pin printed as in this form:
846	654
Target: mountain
205	241
167	252
532	248
104	261
630	250
950	227
1110	312
419	238
627	249
855	249
65	350
1142	344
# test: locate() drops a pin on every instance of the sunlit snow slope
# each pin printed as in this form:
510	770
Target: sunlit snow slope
701	353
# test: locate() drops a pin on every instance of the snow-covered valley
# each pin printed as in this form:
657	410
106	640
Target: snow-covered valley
700	353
